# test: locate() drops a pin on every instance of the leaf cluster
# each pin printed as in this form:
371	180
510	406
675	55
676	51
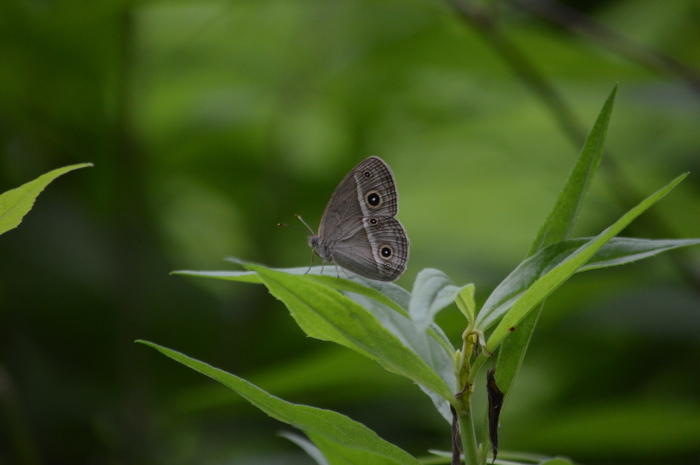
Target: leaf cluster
395	328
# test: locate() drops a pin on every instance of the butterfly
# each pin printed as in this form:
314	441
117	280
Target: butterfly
358	230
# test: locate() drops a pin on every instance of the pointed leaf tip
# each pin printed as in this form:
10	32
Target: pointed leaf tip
16	203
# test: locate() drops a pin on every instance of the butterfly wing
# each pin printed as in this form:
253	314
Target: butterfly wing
377	249
358	228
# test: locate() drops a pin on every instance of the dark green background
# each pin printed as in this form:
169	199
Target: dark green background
210	122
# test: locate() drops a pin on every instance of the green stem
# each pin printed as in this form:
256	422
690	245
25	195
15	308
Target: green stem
466	430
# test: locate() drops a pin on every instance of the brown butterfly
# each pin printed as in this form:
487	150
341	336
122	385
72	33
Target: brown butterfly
358	230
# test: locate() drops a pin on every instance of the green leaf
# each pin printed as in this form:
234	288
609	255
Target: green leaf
543	286
307	446
466	303
434	348
313	421
563	216
390	294
618	251
339	454
238	276
432	291
398	296
16	203
340	367
437	457
556	228
326	314
427	345
623	250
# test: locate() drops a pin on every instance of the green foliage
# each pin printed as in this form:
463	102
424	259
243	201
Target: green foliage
325	314
308	447
553	278
16	203
617	251
372	319
346	434
563	216
432	292
556	227
210	122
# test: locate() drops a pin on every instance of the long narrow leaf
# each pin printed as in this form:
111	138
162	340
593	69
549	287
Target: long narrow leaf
16	203
340	454
556	228
328	315
618	251
623	250
307	446
390	294
397	294
565	212
555	277
323	423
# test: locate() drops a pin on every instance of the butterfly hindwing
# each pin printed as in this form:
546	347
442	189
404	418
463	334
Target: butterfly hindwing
377	250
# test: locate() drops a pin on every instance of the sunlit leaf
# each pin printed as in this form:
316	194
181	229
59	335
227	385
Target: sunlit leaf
16	203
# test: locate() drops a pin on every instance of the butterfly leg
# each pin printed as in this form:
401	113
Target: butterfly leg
312	262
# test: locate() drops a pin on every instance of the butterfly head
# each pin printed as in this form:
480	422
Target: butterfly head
312	240
321	249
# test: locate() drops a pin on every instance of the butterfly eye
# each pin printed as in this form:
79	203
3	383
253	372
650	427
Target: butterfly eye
367	174
373	199
385	252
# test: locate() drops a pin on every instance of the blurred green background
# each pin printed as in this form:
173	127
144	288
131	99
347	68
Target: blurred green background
210	122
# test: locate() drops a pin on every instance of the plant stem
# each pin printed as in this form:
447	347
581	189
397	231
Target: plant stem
465	384
466	430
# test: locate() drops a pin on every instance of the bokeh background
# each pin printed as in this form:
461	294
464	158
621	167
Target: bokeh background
209	122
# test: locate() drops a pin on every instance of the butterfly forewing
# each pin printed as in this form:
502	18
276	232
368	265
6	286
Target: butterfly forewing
377	193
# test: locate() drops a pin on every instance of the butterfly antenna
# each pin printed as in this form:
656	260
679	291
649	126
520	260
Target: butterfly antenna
307	226
290	226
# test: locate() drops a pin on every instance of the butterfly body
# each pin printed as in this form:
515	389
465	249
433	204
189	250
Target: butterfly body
358	230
